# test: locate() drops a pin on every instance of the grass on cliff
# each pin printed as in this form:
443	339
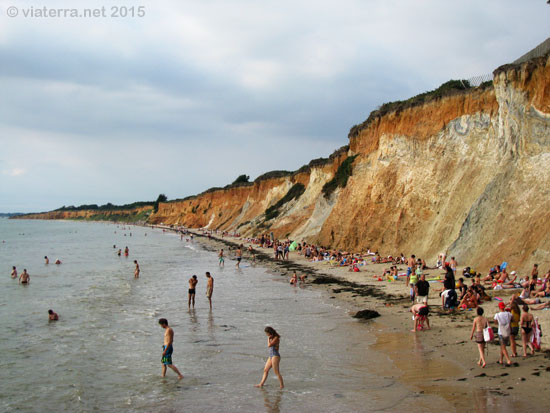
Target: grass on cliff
128	218
446	89
294	192
340	179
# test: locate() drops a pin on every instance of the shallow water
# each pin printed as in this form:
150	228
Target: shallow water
104	352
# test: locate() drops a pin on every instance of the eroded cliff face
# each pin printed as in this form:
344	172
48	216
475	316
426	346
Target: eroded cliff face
465	174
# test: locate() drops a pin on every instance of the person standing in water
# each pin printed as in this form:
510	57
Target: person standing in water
192	285
126	251
209	288
46	260
136	271
24	278
222	259
13	272
168	349
239	254
274	359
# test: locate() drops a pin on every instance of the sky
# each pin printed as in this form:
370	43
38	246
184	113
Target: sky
187	95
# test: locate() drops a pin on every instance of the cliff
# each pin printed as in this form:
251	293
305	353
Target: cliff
463	172
119	215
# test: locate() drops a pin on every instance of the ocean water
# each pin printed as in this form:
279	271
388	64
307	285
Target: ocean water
104	352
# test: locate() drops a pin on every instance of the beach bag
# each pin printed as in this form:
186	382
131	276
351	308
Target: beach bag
488	334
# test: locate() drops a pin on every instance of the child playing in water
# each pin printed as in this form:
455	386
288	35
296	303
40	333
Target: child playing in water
273	340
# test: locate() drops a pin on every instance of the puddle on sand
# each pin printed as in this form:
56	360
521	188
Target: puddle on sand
416	365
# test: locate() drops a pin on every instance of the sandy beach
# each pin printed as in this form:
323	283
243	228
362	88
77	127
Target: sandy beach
440	361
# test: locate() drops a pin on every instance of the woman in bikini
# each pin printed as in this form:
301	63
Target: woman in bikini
480	322
273	340
526	322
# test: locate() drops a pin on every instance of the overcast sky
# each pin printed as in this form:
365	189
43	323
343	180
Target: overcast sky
195	93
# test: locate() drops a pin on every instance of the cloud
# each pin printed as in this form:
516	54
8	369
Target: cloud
15	172
196	93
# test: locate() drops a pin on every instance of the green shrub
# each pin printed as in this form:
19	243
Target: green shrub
340	179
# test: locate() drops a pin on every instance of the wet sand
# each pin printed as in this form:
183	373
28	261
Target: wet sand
440	362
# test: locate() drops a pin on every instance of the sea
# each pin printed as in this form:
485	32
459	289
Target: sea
104	353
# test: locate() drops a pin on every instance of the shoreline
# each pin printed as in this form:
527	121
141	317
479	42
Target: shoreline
446	366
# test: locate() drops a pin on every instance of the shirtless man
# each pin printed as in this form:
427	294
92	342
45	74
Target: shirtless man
167	349
24	278
209	288
192	284
46	260
239	254
136	271
52	315
14	272
222	259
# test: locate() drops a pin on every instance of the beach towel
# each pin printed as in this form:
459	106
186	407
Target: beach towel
503	265
535	337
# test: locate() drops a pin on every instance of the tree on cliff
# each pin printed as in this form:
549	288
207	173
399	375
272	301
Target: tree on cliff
241	179
161	198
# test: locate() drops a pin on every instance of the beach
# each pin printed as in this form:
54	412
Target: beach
440	361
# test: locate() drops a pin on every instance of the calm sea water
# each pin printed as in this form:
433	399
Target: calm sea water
104	352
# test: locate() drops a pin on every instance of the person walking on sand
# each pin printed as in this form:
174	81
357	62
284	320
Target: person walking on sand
239	254
209	288
13	272
24	278
192	290
222	259
480	322
503	318
136	271
168	349
527	323
274	358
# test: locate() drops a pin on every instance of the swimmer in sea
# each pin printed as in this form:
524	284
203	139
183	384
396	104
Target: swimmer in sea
58	261
126	252
52	315
24	278
192	285
167	349
119	252
46	260
274	358
136	271
209	288
14	272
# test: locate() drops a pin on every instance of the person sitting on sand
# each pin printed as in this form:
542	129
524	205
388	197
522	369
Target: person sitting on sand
527	322
462	288
470	299
480	322
52	315
420	315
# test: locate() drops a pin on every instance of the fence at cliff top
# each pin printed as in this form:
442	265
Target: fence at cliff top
478	80
538	51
